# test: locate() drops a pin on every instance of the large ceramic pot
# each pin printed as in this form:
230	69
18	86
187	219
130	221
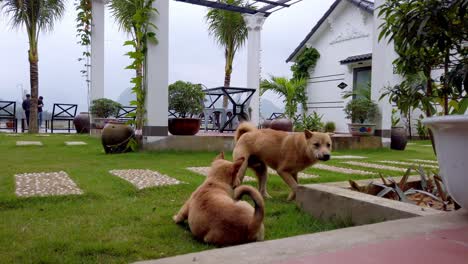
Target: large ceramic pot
361	129
82	123
115	137
398	138
283	124
184	126
451	143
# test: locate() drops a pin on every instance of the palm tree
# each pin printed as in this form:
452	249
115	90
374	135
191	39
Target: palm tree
35	16
293	91
133	18
230	32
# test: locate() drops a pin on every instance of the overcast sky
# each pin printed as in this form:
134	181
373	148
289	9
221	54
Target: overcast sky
193	55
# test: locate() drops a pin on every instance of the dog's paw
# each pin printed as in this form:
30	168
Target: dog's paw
266	195
292	196
176	220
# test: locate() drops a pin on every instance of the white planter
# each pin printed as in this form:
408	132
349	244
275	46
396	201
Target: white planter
451	143
357	129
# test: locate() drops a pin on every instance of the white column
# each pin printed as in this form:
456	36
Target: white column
254	26
97	50
383	54
157	73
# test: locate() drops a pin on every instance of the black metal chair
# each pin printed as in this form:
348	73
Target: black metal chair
63	112
8	112
126	113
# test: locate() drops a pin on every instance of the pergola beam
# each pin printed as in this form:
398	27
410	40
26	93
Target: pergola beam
271	6
219	5
273	3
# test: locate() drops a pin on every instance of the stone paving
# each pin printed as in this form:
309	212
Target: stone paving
45	184
408	163
144	178
348	157
75	143
28	143
342	170
43	135
374	166
204	171
425	161
13	135
301	175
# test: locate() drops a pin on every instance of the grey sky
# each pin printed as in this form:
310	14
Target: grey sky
193	55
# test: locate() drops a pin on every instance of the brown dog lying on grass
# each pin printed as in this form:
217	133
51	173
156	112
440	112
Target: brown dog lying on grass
287	153
214	212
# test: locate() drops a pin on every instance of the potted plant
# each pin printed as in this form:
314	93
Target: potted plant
329	127
362	111
311	122
398	133
186	99
10	124
451	142
101	110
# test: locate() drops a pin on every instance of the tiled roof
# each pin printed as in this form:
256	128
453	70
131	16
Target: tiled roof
364	4
357	58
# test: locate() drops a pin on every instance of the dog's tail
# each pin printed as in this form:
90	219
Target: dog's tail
259	213
243	128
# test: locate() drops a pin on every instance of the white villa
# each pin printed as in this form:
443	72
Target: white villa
346	40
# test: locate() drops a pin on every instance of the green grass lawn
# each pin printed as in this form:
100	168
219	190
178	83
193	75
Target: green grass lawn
113	221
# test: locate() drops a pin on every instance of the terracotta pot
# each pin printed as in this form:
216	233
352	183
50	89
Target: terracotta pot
115	137
100	122
82	123
398	138
184	126
283	124
361	129
266	124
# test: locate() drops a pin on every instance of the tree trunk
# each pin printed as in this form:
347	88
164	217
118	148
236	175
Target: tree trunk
229	56
427	73
446	84
34	81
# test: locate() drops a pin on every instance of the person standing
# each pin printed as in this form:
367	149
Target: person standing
26	107
40	104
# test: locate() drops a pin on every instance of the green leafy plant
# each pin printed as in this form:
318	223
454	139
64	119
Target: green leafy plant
133	17
422	130
230	32
306	60
395	118
83	29
293	91
104	108
329	127
361	108
311	122
186	98
36	16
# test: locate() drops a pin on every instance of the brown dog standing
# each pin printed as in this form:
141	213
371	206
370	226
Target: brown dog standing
287	153
214	212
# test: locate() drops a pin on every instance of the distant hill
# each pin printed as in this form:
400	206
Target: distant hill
267	106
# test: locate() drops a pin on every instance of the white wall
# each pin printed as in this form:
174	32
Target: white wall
346	32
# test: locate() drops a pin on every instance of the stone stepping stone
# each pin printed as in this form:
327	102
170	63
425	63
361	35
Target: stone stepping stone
348	157
145	178
204	171
410	144
28	143
43	135
374	166
301	175
45	184
408	163
427	146
342	170
75	143
13	135
425	161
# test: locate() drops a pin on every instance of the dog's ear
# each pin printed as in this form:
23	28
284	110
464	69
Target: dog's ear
220	156
308	134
